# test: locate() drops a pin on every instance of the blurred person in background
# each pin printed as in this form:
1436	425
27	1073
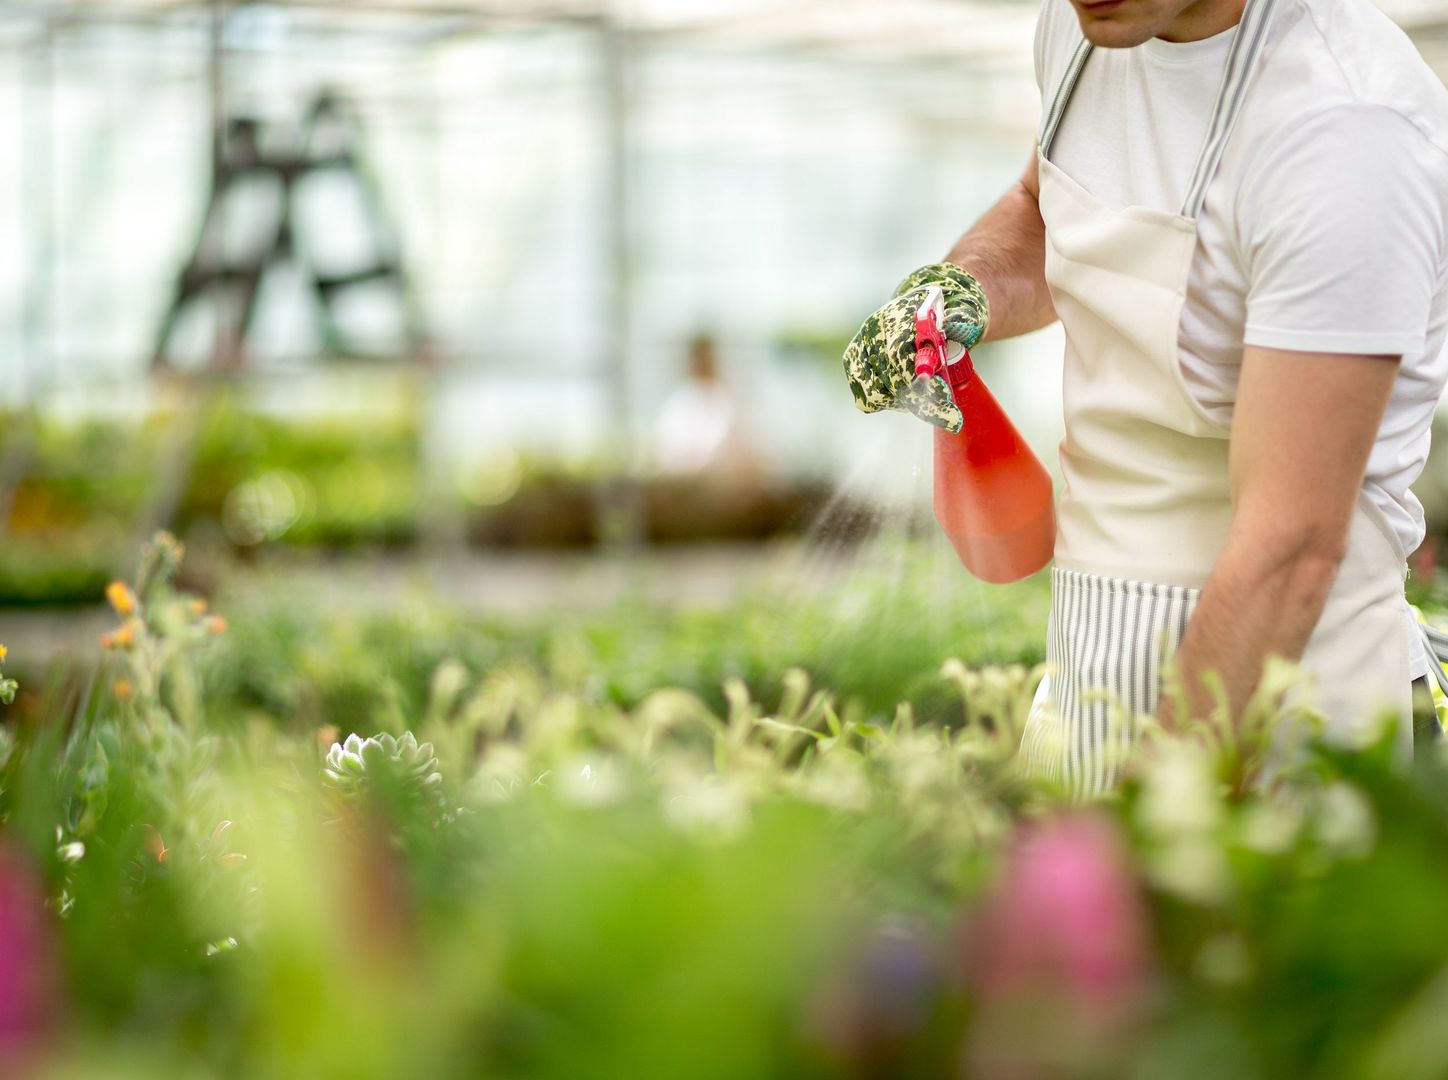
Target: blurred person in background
1238	212
701	430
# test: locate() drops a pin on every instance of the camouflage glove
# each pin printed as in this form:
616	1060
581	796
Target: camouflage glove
880	362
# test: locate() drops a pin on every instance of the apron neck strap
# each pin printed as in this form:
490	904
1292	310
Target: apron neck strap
1057	111
1246	50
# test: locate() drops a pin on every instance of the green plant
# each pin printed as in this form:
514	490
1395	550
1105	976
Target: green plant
7	686
528	876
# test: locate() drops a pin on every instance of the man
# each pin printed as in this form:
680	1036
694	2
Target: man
1238	212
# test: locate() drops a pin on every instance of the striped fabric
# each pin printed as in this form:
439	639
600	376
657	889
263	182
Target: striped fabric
1108	640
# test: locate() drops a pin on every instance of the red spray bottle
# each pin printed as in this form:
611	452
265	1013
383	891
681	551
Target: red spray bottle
992	494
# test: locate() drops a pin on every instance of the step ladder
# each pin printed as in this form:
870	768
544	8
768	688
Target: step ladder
229	284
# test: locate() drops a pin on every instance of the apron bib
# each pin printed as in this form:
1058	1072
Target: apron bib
1146	501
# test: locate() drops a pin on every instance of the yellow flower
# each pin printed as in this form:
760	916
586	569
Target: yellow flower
198	607
121	598
122	637
4	652
124	691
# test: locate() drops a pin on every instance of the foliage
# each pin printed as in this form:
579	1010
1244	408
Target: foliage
66	492
879	637
338	482
75	472
538	879
7	686
55	571
1428	588
85	486
216	468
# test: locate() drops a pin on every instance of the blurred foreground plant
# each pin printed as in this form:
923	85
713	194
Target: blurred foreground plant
526	878
7	686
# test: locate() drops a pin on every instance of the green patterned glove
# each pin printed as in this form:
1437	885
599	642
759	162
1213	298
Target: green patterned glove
880	361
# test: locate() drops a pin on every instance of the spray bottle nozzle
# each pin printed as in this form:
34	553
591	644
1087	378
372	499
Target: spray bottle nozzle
930	345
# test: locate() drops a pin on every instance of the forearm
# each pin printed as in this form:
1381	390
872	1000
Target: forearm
1302	429
1260	601
1006	252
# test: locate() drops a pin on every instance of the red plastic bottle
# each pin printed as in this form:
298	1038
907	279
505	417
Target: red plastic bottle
992	494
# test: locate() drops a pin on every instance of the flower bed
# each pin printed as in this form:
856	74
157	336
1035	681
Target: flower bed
541	880
77	493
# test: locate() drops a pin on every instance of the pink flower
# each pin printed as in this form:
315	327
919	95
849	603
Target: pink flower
28	983
1058	953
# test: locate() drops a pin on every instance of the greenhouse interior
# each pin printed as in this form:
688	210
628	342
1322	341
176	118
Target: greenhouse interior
457	621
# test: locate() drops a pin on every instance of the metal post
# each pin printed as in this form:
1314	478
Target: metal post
621	510
40	213
190	396
216	80
37	220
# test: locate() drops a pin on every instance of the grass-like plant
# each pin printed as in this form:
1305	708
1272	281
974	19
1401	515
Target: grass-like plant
520	875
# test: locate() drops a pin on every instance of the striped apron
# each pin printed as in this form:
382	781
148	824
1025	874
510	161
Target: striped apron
1146	502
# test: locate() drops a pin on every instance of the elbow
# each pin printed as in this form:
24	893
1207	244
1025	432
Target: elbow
1313	572
1297	561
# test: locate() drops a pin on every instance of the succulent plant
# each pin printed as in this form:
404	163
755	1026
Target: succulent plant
356	767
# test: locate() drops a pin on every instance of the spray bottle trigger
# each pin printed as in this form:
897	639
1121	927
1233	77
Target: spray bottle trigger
931	347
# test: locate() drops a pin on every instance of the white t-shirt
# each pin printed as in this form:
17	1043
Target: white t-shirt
1326	227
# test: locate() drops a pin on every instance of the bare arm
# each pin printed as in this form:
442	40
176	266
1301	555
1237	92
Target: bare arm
1301	434
1006	252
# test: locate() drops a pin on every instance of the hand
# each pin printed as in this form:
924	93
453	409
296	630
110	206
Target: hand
880	361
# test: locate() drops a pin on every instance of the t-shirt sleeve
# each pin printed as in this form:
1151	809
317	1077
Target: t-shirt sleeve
1341	228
